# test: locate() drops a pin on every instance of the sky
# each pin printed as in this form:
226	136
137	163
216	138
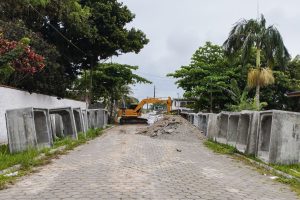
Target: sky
177	28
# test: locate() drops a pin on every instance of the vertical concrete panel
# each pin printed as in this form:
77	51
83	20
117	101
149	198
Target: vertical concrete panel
57	126
233	121
196	120
191	118
265	136
222	135
28	128
213	126
106	116
204	122
279	137
17	99
244	129
68	121
85	120
79	122
43	132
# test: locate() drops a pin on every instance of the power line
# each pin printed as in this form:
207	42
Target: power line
60	33
157	76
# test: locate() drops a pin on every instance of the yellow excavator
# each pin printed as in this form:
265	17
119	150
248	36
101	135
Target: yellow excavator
132	114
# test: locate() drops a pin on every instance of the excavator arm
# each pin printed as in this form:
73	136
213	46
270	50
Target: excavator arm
154	100
132	115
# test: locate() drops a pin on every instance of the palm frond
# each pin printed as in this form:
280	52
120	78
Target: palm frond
266	77
253	77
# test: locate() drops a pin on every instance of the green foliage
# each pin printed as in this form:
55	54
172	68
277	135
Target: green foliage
206	77
247	34
73	36
52	79
111	81
240	98
267	41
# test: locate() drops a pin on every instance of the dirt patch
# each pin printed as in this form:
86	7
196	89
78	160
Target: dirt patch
172	127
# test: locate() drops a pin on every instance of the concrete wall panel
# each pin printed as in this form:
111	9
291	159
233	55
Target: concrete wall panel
68	120
223	123
15	99
279	137
213	126
233	122
28	128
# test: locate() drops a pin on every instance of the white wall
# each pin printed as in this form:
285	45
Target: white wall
13	99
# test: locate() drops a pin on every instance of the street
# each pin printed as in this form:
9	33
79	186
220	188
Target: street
124	165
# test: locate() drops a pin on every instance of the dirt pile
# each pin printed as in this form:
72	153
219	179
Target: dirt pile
172	127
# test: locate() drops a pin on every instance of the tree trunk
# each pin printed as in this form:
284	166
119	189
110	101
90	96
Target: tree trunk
91	84
257	94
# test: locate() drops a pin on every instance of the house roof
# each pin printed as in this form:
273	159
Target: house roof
293	94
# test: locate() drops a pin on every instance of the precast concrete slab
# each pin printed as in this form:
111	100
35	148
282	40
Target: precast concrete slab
102	118
28	128
57	126
247	132
279	137
85	120
223	123
97	118
196	119
105	117
91	115
203	120
79	120
191	118
213	126
233	121
68	121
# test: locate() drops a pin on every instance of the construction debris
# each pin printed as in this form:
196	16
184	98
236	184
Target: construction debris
172	127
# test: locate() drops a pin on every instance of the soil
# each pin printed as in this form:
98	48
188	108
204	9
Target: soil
172	127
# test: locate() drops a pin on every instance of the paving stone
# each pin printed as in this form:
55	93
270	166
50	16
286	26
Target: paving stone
120	165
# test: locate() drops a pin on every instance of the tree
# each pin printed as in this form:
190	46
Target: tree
52	80
206	77
19	57
267	41
82	31
112	81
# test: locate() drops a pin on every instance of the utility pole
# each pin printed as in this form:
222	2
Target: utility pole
154	91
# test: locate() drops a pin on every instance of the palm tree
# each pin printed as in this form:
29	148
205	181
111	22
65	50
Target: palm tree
267	41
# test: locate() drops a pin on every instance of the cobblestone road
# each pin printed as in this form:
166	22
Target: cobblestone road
119	165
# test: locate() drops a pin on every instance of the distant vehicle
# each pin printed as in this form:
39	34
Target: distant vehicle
132	115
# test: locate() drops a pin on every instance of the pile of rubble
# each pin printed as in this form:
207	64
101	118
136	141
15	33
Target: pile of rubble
172	127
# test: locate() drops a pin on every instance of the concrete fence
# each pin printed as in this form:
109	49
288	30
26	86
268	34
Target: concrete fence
37	128
273	136
16	99
35	120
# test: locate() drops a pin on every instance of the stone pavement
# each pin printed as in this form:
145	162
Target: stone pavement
122	165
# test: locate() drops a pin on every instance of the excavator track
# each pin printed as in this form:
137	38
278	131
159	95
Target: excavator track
124	121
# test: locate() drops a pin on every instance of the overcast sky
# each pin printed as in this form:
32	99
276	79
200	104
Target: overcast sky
176	28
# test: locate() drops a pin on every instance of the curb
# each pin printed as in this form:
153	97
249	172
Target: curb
268	168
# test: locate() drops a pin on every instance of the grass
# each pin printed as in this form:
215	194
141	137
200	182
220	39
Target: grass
28	159
293	170
289	169
220	148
